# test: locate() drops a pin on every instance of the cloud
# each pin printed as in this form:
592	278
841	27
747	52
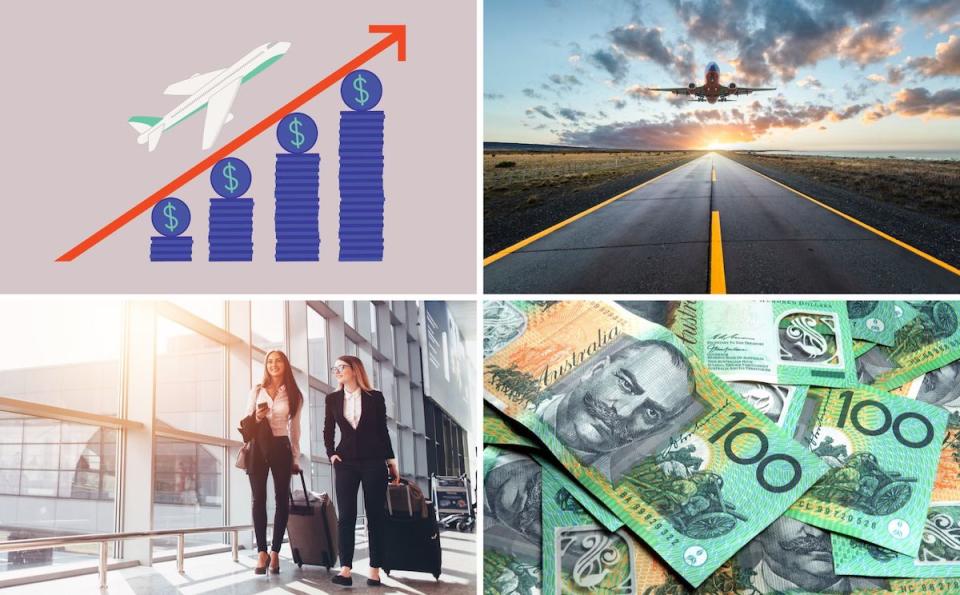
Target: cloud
919	101
493	96
696	128
642	93
532	94
877	78
618	103
614	62
565	82
871	42
646	43
810	82
540	110
945	61
894	75
571	114
933	11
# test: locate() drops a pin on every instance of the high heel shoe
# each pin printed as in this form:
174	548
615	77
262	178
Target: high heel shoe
275	569
261	569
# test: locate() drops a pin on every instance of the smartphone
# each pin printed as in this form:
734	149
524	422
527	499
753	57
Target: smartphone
262	405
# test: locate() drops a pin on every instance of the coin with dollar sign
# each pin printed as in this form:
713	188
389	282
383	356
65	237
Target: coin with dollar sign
170	216
297	132
361	90
230	177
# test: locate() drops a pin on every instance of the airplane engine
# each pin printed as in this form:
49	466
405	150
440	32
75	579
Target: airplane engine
733	85
692	86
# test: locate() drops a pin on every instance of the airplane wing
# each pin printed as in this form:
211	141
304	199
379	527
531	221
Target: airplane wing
191	85
747	90
218	112
679	90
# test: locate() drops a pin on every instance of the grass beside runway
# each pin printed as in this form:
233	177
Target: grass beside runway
542	188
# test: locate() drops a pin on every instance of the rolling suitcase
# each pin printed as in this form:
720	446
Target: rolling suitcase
412	541
312	529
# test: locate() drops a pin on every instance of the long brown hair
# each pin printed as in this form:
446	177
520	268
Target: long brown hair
293	391
359	372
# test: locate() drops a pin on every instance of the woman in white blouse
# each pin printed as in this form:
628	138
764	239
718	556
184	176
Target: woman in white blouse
362	457
277	402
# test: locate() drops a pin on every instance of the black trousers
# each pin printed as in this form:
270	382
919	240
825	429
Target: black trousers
279	462
349	477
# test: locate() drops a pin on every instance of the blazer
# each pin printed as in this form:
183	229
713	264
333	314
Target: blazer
370	440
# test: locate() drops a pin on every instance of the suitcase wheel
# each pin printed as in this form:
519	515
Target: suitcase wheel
436	576
387	571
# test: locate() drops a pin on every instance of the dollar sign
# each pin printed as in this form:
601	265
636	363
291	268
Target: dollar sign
232	182
298	137
172	222
362	95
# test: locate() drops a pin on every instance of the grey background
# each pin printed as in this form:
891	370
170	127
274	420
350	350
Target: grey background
74	73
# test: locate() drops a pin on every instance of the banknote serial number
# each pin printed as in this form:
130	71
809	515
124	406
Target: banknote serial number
760	457
834	512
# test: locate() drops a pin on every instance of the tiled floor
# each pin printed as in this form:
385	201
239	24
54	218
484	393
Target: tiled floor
218	574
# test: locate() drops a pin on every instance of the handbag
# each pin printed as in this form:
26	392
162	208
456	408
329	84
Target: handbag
243	457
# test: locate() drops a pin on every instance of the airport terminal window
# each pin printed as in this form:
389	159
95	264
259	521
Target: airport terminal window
268	324
65	354
318	408
213	311
374	339
352	348
317	345
189	381
350	314
187	488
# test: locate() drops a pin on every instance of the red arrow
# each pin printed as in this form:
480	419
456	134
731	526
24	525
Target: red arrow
395	34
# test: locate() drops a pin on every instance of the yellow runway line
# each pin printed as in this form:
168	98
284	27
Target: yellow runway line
718	281
542	234
869	228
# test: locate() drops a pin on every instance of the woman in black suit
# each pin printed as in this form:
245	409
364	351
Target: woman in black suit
362	457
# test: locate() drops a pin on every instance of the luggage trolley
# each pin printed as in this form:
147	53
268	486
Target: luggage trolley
452	497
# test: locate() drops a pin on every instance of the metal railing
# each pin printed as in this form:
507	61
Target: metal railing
105	538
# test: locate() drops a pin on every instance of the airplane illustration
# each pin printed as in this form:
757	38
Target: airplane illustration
712	91
214	91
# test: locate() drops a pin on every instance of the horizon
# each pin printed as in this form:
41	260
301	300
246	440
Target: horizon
846	75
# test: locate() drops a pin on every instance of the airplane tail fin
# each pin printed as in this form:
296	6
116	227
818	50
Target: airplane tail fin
142	124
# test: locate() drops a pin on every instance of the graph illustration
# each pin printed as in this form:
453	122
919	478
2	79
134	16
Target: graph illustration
297	204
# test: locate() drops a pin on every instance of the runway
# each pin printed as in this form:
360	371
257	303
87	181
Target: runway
715	226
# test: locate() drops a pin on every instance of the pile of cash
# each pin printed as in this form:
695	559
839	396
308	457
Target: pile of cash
721	447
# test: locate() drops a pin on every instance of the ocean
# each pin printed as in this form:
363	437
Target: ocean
931	155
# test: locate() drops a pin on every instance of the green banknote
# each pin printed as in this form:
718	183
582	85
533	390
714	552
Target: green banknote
781	403
877	321
511	522
791	557
497	431
782	342
928	342
860	347
580	556
883	452
587	502
939	553
667	446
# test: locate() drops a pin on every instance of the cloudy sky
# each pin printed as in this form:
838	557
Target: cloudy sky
850	74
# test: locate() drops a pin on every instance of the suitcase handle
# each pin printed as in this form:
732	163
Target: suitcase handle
306	497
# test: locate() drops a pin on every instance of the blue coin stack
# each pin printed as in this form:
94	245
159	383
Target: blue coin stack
170	217
297	213
231	217
361	185
231	229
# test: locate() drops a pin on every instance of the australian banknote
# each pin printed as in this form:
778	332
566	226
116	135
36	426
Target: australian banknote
928	342
778	342
511	523
496	431
878	321
584	499
647	429
939	553
883	452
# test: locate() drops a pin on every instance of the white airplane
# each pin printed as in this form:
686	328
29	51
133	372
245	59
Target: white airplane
214	91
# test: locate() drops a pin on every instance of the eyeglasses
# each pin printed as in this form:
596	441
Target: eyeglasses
339	369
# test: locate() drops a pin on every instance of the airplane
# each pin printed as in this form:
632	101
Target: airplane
712	91
214	91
